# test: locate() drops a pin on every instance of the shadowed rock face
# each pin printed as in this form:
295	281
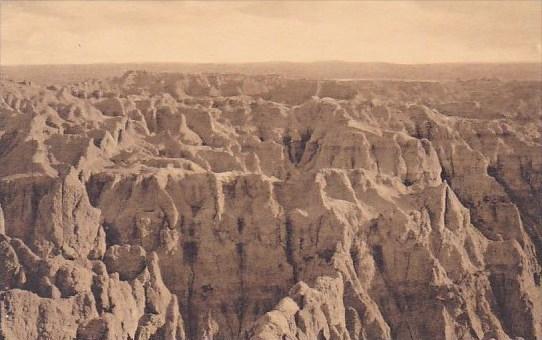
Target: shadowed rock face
169	206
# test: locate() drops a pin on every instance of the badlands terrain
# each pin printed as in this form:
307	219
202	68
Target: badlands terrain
225	206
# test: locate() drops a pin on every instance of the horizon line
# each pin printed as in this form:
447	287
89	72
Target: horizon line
283	62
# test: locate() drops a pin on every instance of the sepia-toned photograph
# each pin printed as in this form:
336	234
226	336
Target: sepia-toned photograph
271	170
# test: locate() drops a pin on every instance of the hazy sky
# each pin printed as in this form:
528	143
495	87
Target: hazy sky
42	32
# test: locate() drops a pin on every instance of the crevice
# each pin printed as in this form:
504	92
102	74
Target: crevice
240	248
97	291
407	267
240	308
112	236
378	257
327	254
407	182
290	248
311	150
191	321
225	312
321	335
356	258
190	252
240	225
94	188
296	148
498	287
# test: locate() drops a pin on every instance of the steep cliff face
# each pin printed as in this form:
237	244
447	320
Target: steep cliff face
167	206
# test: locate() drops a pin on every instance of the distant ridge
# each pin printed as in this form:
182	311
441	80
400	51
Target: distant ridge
314	70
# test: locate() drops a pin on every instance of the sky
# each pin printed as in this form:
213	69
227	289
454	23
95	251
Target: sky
81	32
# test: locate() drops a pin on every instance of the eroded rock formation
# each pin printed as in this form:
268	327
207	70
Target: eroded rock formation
169	206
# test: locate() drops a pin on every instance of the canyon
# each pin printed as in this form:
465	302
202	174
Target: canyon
224	206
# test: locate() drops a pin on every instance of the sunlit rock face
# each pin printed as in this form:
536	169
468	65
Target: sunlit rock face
174	206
